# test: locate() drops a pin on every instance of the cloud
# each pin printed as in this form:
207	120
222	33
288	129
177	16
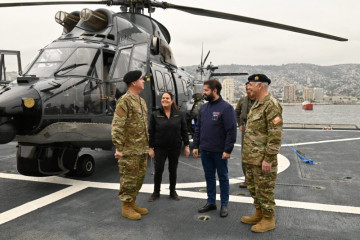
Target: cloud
28	29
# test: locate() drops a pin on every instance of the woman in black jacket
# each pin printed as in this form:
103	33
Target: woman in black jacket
167	131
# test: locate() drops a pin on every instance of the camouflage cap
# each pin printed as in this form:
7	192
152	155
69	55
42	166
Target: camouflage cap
132	76
259	78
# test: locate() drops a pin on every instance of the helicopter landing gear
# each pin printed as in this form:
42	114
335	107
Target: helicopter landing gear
42	160
27	164
85	166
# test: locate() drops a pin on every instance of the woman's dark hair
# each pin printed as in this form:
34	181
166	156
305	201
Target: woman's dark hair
172	98
214	83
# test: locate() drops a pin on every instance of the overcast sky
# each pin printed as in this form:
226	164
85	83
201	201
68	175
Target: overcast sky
28	29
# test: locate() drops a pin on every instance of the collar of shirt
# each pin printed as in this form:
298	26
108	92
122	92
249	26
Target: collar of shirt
259	103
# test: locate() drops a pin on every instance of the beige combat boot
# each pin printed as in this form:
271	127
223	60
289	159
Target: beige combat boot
254	218
129	212
266	224
142	211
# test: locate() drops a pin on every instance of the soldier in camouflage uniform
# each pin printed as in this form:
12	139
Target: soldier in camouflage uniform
198	102
192	115
130	137
242	110
262	143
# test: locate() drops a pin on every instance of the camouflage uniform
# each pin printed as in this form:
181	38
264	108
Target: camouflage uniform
196	108
242	109
130	136
262	142
194	112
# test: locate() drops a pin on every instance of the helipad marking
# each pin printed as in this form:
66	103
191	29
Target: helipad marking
38	203
7	157
319	142
76	186
316	142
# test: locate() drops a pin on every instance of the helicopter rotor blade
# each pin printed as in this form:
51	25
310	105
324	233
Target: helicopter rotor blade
206	58
26	4
229	74
238	18
191	10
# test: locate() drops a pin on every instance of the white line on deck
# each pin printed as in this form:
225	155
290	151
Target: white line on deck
7	157
38	203
77	185
325	141
317	142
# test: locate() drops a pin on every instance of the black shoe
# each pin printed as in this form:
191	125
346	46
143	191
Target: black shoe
174	196
153	197
207	207
224	211
242	185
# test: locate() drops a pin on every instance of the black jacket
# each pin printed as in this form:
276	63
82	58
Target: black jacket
168	133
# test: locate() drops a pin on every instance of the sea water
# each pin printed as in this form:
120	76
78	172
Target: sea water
323	114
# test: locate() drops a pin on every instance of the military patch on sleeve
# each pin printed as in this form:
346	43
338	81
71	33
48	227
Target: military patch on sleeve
120	111
276	120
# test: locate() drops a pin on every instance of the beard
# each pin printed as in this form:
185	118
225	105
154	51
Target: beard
209	98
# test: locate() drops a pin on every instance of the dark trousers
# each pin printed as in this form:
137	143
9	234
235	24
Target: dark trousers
160	157
212	162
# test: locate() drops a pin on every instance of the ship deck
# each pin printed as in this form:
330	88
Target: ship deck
319	201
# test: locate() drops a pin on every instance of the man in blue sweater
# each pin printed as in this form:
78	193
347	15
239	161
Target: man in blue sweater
215	134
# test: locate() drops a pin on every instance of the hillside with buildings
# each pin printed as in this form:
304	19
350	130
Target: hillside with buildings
337	84
291	83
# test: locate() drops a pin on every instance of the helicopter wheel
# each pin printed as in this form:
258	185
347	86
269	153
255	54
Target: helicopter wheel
85	166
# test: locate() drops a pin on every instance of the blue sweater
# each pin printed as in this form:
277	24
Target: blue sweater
216	129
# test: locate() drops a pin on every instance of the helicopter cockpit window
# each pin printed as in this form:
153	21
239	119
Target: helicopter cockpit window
49	61
84	55
138	58
54	59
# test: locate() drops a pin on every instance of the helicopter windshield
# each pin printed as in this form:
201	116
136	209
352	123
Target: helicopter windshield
50	60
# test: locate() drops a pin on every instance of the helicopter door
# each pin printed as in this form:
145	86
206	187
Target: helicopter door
115	85
94	90
163	81
110	87
183	92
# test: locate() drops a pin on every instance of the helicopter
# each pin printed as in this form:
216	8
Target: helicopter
65	98
210	68
208	72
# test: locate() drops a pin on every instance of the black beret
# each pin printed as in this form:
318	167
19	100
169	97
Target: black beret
132	76
259	78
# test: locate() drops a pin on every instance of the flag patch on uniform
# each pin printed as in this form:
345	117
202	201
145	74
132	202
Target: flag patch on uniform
276	120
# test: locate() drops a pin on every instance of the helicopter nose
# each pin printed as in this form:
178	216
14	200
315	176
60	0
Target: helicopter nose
7	133
20	111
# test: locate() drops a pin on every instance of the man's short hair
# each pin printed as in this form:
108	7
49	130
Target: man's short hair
214	83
